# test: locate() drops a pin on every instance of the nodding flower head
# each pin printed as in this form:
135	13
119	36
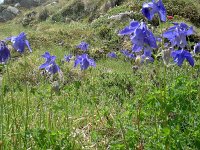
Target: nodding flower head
177	34
151	8
83	46
143	38
112	55
84	61
197	48
180	55
19	42
50	66
4	52
146	57
68	58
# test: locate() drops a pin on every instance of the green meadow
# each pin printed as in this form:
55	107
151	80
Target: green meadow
117	105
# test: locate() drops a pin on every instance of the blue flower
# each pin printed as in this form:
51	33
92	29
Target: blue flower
19	42
112	55
151	8
143	38
84	61
147	56
177	34
180	55
68	58
197	48
4	52
131	56
50	65
129	29
140	35
83	46
127	54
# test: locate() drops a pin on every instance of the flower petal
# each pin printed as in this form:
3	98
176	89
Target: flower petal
28	45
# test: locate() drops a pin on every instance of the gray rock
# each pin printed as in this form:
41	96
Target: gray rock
68	20
2	7
25	3
17	5
31	3
6	15
13	10
10	1
105	7
110	4
122	16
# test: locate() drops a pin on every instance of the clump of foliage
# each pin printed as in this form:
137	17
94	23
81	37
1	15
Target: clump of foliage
43	15
186	9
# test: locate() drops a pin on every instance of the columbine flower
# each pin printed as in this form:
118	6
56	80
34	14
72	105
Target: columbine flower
180	55
50	65
127	54
68	58
197	48
177	34
146	57
19	42
140	35
83	46
112	55
143	38
84	61
4	52
151	8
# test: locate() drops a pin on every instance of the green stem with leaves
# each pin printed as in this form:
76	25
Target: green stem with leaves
27	101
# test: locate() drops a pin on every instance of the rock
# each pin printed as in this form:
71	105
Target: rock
50	3
68	20
110	4
2	7
6	15
25	3
122	16
10	1
105	7
17	5
31	3
13	10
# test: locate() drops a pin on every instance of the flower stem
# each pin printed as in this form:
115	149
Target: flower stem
27	101
13	105
2	111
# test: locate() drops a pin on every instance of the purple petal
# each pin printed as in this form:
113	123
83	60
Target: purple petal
28	45
126	31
